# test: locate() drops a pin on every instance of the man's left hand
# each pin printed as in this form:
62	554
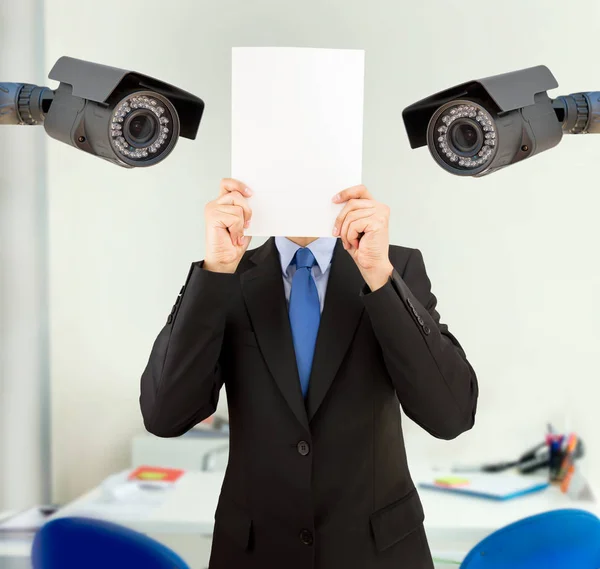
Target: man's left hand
363	227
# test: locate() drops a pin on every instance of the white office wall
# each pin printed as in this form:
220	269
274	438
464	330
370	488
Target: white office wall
24	404
512	257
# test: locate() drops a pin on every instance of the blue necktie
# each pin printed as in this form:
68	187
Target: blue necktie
305	314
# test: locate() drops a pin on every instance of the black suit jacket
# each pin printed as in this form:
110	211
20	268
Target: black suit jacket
320	483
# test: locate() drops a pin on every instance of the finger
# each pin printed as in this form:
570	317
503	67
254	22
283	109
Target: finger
245	242
358	228
235	210
231	185
237	199
351	219
235	225
355	192
352	205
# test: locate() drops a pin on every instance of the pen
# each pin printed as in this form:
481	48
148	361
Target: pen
497	467
570	450
555	462
465	469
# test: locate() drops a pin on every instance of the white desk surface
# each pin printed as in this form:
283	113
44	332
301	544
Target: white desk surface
6	514
454	520
189	507
13	547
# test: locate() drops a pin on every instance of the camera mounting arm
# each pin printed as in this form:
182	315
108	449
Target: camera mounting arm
24	104
579	113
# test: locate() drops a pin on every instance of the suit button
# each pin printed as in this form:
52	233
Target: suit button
303	448
178	299
306	537
173	309
170	319
426	329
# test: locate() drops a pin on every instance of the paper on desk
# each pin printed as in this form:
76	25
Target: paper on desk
28	520
120	493
297	128
498	486
123	499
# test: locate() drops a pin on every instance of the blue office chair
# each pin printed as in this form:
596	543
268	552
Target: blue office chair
559	539
77	543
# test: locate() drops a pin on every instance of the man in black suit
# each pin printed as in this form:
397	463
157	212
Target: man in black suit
317	475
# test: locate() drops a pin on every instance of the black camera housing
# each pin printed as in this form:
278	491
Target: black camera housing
93	101
513	108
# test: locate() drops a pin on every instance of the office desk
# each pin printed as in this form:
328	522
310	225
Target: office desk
13	547
184	521
456	523
14	553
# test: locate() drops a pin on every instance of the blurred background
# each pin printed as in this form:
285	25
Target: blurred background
93	256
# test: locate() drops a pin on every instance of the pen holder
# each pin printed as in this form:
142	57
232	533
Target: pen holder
576	486
562	457
556	462
564	471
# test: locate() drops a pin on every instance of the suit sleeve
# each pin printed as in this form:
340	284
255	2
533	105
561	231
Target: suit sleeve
435	384
181	382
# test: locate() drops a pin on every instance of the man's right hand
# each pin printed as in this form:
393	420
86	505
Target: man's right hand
226	218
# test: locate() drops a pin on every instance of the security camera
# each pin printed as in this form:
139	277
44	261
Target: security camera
480	126
127	118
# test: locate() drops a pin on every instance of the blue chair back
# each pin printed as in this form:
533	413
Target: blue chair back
559	539
77	543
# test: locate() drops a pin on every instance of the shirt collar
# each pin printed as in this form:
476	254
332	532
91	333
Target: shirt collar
322	249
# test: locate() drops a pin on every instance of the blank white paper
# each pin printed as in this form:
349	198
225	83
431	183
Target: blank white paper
297	131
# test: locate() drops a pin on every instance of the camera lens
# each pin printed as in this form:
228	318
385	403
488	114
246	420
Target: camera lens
466	137
144	128
462	137
141	128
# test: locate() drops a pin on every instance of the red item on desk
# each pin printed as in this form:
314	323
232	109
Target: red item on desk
156	474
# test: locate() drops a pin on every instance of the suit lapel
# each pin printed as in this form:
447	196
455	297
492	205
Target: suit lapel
263	291
342	311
